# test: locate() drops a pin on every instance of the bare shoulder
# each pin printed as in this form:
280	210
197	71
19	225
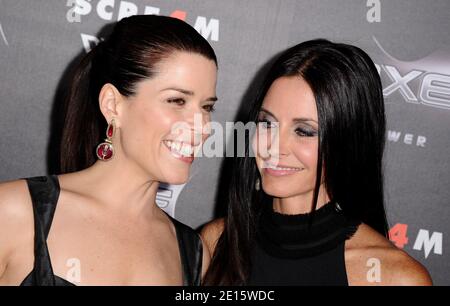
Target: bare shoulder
15	203
211	232
16	219
371	259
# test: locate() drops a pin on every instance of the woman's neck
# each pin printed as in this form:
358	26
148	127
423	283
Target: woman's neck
120	187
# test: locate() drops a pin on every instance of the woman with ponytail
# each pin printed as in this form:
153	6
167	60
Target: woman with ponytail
307	207
128	125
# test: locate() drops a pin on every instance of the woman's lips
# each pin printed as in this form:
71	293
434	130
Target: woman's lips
180	150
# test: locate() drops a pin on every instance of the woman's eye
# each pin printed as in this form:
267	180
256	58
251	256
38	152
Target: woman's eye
209	108
178	101
305	133
266	123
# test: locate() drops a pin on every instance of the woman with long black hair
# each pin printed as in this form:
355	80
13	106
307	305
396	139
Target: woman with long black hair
308	209
98	223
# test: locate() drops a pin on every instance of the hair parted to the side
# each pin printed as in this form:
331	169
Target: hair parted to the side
126	57
350	107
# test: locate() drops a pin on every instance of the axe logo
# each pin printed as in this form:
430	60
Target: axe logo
425	81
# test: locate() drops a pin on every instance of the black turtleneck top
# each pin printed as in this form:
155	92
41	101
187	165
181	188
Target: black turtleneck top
305	249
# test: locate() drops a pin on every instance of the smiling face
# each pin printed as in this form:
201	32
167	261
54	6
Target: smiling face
288	123
156	126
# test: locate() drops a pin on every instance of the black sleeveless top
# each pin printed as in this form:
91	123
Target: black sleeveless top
295	250
45	193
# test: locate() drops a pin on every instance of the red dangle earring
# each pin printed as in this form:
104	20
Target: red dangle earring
105	150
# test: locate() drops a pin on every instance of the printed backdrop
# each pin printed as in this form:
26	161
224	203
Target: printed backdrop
409	40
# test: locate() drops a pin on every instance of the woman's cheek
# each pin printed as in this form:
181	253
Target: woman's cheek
306	153
163	118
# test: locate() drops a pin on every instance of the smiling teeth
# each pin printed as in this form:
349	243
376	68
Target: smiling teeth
181	148
277	168
283	169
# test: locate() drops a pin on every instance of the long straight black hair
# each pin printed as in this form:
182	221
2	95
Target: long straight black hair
350	107
126	57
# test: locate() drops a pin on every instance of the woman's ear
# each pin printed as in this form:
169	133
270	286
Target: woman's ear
109	99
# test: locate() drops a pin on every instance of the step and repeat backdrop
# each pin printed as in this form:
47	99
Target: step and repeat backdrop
409	40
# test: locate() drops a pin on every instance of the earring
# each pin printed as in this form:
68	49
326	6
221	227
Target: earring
257	184
105	150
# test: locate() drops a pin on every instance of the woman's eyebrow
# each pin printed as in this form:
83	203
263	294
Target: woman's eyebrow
183	91
188	93
267	112
296	120
302	120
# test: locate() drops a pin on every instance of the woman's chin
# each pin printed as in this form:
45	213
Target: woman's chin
280	191
175	179
178	182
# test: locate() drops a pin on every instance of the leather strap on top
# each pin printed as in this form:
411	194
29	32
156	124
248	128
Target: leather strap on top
44	191
191	252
